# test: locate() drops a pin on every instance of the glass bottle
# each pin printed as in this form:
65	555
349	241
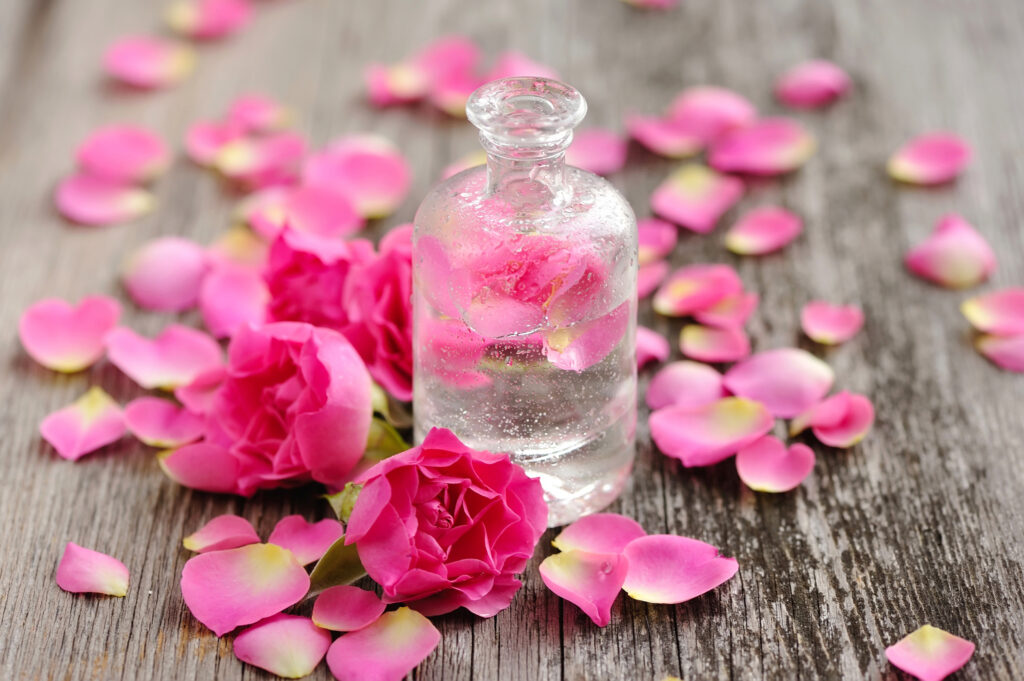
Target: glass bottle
525	302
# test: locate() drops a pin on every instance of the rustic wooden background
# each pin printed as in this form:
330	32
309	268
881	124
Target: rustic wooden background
924	522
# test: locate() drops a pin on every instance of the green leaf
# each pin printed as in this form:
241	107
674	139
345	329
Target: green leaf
344	501
340	565
383	441
394	412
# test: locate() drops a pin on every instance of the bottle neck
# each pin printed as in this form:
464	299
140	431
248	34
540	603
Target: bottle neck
528	176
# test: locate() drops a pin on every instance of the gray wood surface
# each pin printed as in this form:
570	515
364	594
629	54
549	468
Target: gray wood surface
922	523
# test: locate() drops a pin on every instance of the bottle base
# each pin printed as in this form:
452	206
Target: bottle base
565	507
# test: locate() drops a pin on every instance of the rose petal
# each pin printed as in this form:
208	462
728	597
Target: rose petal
954	255
666	137
202	466
710	344
708	434
465	162
664	568
812	84
308	541
579	347
686	384
83	570
368	169
397	84
226	589
165	274
763	230
94	420
729	312
257	113
346	608
173	358
657	239
315	209
771	146
651	346
148	62
591	581
123	153
652	4
840	421
512	64
223	532
597	150
599	533
695	288
90	200
710	112
830	324
786	380
259	162
162	423
649	278
411	80
450	92
286	645
208	19
205	140
695	197
1000	312
932	158
1006	352
930	653
198	395
767	466
66	337
386	650
230	297
239	247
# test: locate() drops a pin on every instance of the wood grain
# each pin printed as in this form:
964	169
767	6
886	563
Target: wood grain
923	522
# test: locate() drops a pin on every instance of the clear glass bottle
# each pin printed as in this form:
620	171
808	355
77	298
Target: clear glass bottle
525	302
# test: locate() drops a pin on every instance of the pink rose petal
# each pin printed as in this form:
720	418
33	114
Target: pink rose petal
598	150
767	466
286	645
433	68
708	434
763	230
84	571
710	112
346	608
147	62
94	420
90	200
729	312
1000	313
695	288
260	162
812	84
465	162
232	296
208	19
257	113
514	64
695	197
172	359
66	337
123	153
710	344
649	278
652	4
830	324
238	246
162	423
771	146
840	421
165	274
450	92
386	650
397	84
230	588
786	380
954	255
930	653
591	581
198	395
308	541
202	466
933	158
221	533
657	240
599	533
320	210
664	568
1006	352
579	347
205	140
686	384
651	346
368	169
666	137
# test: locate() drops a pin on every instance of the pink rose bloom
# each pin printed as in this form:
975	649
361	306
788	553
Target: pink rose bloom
293	405
442	526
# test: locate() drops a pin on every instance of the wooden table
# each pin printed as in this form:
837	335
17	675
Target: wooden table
922	523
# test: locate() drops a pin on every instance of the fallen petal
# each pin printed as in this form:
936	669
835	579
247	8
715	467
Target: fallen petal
205	140
710	112
695	288
308	541
66	337
286	645
161	423
763	230
396	84
346	608
664	568
830	324
238	246
695	197
652	4
591	581
665	136
954	255
840	421
230	297
686	384
260	162
812	84
651	346
255	113
90	200
930	653
93	421
368	169
657	239
123	153
465	162
929	159
767	466
1006	352
599	533
649	278
148	62
708	434
710	344
597	150
82	571
202	466
786	380
166	273
512	64
208	19
1000	312
729	312
771	146
175	357
220	533
230	588
386	650
316	209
